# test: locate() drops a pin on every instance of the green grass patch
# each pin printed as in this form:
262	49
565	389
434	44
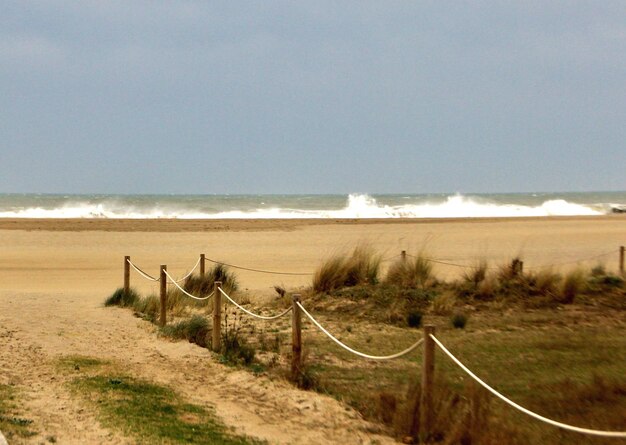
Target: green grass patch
148	412
195	330
13	424
567	365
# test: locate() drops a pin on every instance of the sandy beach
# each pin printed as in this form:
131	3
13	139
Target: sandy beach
55	275
86	256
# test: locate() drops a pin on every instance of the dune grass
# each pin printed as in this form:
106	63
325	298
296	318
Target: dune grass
362	266
13	424
535	358
567	364
121	298
147	412
414	272
195	330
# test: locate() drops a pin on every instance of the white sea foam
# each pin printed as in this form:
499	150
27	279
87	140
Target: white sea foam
357	206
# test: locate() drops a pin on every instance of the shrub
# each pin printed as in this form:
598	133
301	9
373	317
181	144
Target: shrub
149	307
306	377
444	304
202	286
195	330
459	320
414	319
511	271
477	274
572	285
459	417
543	283
234	347
121	298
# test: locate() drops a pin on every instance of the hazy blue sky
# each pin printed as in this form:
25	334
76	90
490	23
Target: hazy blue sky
312	97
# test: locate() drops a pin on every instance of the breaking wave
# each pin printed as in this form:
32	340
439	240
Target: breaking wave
356	206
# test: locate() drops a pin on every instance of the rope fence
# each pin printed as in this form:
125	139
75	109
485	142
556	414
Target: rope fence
259	270
565	426
354	351
141	272
175	283
261	317
429	340
201	260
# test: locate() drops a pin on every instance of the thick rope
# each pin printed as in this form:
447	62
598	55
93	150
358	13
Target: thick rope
262	317
524	410
190	272
184	291
258	270
360	354
141	272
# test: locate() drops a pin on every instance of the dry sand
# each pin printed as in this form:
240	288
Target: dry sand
55	274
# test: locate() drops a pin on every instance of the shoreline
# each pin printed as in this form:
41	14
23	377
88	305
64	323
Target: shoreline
216	225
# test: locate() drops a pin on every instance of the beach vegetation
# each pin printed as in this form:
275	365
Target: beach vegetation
414	318
147	307
444	303
234	346
459	320
121	298
203	285
195	330
413	272
573	284
13	423
362	266
148	412
307	377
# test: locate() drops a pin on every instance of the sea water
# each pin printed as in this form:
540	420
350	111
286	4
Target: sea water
310	206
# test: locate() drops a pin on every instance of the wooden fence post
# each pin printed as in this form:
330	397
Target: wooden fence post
201	265
296	338
163	279
428	371
217	316
403	255
126	275
621	260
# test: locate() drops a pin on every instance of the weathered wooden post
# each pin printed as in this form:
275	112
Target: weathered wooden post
217	315
201	265
163	279
403	255
428	372
296	338
621	260
126	275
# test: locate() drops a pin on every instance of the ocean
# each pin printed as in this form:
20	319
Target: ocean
310	206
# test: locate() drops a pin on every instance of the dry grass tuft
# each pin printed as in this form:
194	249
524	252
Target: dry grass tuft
361	267
413	273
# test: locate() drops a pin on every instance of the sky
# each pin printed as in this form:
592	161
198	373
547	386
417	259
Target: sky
312	97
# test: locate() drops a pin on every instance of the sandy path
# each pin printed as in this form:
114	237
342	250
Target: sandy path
73	324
